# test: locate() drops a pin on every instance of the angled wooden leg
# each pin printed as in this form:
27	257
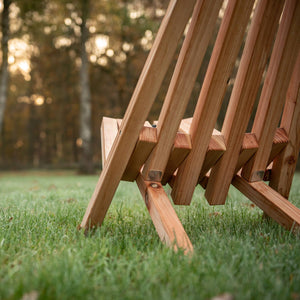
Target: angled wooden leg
164	217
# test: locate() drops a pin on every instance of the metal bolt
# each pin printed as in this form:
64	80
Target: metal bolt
154	185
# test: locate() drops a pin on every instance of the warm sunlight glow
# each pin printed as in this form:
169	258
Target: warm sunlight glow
68	21
62	42
37	100
93	58
110	52
24	66
20	52
11	59
18	47
102	61
127	47
102	42
92	29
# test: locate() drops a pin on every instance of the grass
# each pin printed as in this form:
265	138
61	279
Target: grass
43	256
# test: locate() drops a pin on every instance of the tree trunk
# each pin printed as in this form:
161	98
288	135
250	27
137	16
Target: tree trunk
4	68
86	161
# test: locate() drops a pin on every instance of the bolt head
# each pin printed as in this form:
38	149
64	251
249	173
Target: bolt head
154	185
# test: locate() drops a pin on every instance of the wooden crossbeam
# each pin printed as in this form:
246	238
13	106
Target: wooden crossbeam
145	144
271	202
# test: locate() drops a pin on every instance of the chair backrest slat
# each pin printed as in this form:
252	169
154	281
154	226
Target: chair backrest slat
223	57
187	68
285	163
257	49
283	58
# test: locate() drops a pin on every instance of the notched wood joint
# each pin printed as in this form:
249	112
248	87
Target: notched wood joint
154	175
257	176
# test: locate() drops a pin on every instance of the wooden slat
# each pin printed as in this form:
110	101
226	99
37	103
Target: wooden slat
185	125
249	147
109	131
190	58
254	59
156	66
271	202
181	148
145	144
216	148
164	217
224	54
285	164
283	59
280	141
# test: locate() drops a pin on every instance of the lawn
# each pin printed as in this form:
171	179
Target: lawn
44	256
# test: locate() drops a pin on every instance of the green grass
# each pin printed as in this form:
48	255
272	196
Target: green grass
42	253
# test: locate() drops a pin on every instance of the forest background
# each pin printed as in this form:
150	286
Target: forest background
65	65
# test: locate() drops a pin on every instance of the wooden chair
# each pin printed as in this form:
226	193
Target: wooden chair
187	152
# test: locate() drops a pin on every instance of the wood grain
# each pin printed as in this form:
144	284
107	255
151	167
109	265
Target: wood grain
215	149
109	131
145	144
156	66
283	59
164	217
224	55
190	58
181	148
271	202
253	62
284	165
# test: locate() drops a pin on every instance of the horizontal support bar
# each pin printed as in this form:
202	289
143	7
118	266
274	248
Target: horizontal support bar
271	202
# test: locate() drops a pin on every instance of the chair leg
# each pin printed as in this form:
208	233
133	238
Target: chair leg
164	217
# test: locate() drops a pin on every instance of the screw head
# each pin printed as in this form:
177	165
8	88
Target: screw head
154	185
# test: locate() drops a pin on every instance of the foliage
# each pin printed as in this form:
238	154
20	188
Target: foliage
43	255
41	125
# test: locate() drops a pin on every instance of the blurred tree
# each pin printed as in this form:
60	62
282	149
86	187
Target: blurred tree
86	161
42	119
4	66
